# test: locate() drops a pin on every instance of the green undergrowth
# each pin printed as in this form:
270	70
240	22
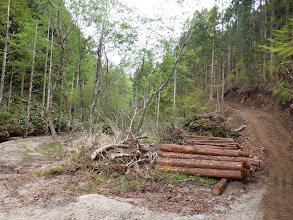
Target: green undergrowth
209	125
115	182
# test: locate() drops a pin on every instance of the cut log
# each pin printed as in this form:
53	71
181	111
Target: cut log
232	174
211	141
199	150
219	186
254	162
214	146
208	138
246	172
210	164
224	144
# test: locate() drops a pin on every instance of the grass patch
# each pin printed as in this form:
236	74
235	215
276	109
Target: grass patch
51	172
54	151
27	157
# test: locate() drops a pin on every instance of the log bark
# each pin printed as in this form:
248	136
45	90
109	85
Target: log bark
212	146
210	164
201	151
232	174
254	162
246	172
208	138
219	186
246	161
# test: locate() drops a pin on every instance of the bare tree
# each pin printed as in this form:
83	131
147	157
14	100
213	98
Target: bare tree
46	69
97	81
164	83
31	84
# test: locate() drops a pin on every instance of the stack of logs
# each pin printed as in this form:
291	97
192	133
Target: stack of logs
208	157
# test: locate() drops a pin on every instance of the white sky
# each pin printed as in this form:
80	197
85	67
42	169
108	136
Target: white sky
174	15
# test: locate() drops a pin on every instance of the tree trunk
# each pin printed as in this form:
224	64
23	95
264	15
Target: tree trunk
10	89
4	57
70	105
45	74
265	43
97	82
49	120
79	82
22	82
195	163
200	150
158	109
163	84
31	85
60	107
272	45
174	98
233	174
212	76
219	186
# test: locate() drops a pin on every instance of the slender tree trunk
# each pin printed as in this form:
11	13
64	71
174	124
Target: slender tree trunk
70	105
141	120
174	98
45	74
60	108
158	108
186	97
10	89
212	76
223	84
31	85
4	57
97	82
49	121
265	43
272	45
80	83
22	82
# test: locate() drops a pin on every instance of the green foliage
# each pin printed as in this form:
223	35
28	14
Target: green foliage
209	126
283	92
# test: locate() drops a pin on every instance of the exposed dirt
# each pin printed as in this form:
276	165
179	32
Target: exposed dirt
277	143
267	194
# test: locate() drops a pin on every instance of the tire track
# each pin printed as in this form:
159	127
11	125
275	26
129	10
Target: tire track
277	203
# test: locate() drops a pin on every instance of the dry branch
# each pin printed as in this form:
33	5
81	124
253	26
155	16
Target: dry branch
105	148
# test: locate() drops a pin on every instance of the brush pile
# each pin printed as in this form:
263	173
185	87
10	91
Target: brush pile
124	155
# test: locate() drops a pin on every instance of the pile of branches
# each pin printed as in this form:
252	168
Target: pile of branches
124	155
174	135
209	125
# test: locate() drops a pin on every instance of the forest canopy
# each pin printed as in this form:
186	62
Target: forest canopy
58	76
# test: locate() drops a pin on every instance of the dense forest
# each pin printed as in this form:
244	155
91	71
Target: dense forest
57	76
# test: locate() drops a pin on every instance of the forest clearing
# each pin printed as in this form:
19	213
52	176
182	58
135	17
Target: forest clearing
25	194
132	109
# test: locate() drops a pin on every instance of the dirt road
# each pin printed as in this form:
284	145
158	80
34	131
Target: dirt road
277	143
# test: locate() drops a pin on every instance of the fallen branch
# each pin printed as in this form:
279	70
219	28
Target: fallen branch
240	128
105	148
114	156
